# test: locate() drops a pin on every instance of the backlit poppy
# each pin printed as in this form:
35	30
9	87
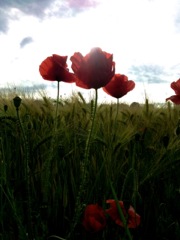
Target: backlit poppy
119	86
54	68
133	219
94	219
176	87
94	70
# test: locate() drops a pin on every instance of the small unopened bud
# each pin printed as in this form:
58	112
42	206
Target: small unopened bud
177	130
165	140
5	108
17	101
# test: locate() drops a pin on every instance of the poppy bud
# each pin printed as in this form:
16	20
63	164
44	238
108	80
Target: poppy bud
177	130
165	140
17	101
5	108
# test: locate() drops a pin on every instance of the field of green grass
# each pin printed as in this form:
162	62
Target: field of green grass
133	153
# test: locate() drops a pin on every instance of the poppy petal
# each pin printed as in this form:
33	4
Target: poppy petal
119	86
175	99
54	68
94	70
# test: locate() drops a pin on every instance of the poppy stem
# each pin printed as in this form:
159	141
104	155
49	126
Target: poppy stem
57	104
27	171
117	111
88	141
80	203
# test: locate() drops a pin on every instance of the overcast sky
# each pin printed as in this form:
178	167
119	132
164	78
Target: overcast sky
143	35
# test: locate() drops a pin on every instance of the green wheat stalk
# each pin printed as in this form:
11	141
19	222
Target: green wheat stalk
120	212
47	166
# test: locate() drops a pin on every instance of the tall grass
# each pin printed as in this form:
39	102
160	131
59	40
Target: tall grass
136	150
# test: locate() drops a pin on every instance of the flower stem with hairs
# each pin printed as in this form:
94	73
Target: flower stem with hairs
117	112
79	205
57	103
17	103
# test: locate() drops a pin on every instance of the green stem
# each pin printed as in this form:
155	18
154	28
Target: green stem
85	165
116	120
27	175
9	197
57	104
117	111
88	141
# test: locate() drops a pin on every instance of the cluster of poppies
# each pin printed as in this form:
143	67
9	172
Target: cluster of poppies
95	217
95	70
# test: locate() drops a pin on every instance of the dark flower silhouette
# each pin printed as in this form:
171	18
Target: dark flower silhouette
176	87
133	219
94	70
54	68
94	219
119	86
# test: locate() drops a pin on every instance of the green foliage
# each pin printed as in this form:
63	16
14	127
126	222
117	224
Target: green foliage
137	150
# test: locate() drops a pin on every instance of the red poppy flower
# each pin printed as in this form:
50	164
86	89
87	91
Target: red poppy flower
94	70
94	218
54	68
176	87
119	86
133	219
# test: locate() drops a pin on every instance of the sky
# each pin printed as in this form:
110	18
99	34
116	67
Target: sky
142	35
